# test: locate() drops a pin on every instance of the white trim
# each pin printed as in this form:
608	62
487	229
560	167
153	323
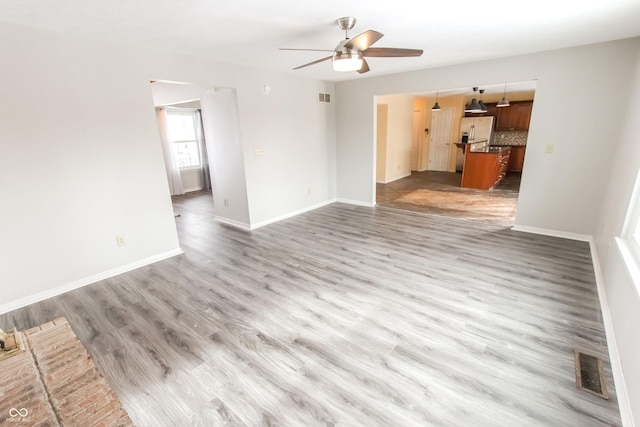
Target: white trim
624	404
58	290
630	259
233	222
190	189
292	214
553	233
394	179
356	202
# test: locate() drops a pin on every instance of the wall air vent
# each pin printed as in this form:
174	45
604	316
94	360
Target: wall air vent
324	97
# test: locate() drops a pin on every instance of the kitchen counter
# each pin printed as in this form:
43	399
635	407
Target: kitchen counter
472	144
494	149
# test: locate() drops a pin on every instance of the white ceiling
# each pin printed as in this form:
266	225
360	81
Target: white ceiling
249	32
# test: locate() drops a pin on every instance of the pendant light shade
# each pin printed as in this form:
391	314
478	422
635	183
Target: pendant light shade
436	106
474	106
503	102
483	107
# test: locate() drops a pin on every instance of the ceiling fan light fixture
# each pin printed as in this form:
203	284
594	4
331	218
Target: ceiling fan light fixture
347	61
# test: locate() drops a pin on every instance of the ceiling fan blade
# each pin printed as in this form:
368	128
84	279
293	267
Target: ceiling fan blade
363	41
390	52
307	50
314	62
364	68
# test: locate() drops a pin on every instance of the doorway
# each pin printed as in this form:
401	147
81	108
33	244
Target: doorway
433	185
217	144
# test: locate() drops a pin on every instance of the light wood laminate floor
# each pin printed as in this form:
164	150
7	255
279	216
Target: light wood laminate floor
348	316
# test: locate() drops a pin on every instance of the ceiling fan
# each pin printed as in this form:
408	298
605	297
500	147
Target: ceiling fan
349	54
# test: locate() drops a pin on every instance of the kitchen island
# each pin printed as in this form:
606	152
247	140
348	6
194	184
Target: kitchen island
484	169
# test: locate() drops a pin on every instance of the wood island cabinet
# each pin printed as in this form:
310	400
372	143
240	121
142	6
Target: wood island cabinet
516	158
484	170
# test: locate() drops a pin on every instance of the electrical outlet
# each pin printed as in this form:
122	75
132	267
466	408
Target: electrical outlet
121	241
258	151
309	191
548	148
226	202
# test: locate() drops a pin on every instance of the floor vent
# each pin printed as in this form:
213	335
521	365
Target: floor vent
590	375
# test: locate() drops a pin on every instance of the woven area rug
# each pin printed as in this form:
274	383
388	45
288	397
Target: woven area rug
55	382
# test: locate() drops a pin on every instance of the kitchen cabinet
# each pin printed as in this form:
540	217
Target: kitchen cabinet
516	158
514	117
485	169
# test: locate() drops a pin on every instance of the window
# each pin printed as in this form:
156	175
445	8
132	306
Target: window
181	126
629	243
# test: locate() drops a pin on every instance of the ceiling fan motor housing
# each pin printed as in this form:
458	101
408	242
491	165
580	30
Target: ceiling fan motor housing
346	23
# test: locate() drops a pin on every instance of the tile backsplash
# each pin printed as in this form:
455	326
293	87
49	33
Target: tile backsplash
510	137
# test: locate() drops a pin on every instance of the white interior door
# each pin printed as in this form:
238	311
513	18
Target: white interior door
415	139
440	145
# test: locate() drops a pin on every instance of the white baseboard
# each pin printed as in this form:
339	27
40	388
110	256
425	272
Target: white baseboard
394	179
624	404
291	214
248	227
58	290
356	202
552	233
190	189
233	222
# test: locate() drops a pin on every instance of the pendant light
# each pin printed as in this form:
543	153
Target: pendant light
503	102
474	106
436	106
483	108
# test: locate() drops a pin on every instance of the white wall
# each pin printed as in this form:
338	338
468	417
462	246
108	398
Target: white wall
560	191
77	127
169	93
226	160
399	135
621	292
297	136
191	179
